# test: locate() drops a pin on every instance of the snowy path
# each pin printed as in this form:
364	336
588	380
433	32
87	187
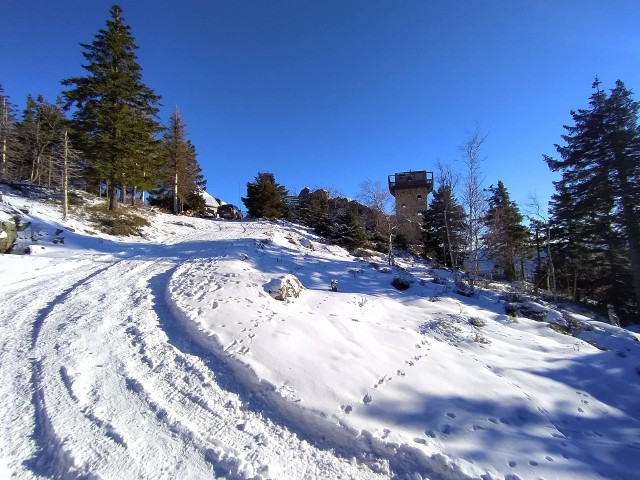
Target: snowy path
166	357
111	388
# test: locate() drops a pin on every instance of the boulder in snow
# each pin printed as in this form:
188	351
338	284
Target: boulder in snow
8	233
284	288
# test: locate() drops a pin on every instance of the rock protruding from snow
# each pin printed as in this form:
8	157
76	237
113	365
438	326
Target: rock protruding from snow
284	288
7	232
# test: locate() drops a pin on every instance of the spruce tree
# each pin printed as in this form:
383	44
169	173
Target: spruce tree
182	174
40	138
315	213
506	237
444	228
265	197
349	232
115	111
577	257
599	192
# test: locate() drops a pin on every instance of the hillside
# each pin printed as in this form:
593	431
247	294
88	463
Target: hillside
166	356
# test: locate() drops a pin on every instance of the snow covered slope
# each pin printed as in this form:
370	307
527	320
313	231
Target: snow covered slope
167	357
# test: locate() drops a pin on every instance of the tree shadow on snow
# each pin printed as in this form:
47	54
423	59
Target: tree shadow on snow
575	438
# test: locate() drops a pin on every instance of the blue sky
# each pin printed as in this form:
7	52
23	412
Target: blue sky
333	93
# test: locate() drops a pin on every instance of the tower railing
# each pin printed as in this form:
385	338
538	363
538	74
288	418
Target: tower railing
418	179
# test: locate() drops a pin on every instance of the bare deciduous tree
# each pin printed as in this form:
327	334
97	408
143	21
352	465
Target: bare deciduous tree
473	196
376	196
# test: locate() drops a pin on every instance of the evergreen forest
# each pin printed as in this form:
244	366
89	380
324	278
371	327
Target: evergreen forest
103	133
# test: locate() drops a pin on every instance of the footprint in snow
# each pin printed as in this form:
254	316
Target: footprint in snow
512	464
367	399
451	415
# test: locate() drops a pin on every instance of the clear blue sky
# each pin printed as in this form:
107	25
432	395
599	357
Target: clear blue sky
333	93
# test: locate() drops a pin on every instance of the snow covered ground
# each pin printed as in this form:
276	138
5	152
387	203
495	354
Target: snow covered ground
167	357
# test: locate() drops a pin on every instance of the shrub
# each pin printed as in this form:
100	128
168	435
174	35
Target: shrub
511	309
400	283
477	322
120	223
479	338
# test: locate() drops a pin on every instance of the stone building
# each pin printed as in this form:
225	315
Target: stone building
411	191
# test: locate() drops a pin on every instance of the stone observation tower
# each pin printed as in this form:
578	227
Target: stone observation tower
411	190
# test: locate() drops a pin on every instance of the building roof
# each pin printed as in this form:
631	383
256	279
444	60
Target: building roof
209	200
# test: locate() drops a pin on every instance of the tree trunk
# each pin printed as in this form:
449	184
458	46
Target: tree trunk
65	177
50	172
538	260
35	167
133	196
113	199
175	194
3	174
3	129
551	271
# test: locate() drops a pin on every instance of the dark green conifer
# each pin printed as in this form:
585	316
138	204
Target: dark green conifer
315	213
599	194
349	232
265	197
444	228
115	111
506	238
40	135
181	175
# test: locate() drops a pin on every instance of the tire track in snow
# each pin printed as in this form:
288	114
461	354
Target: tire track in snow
236	422
108	379
52	456
45	312
20	307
